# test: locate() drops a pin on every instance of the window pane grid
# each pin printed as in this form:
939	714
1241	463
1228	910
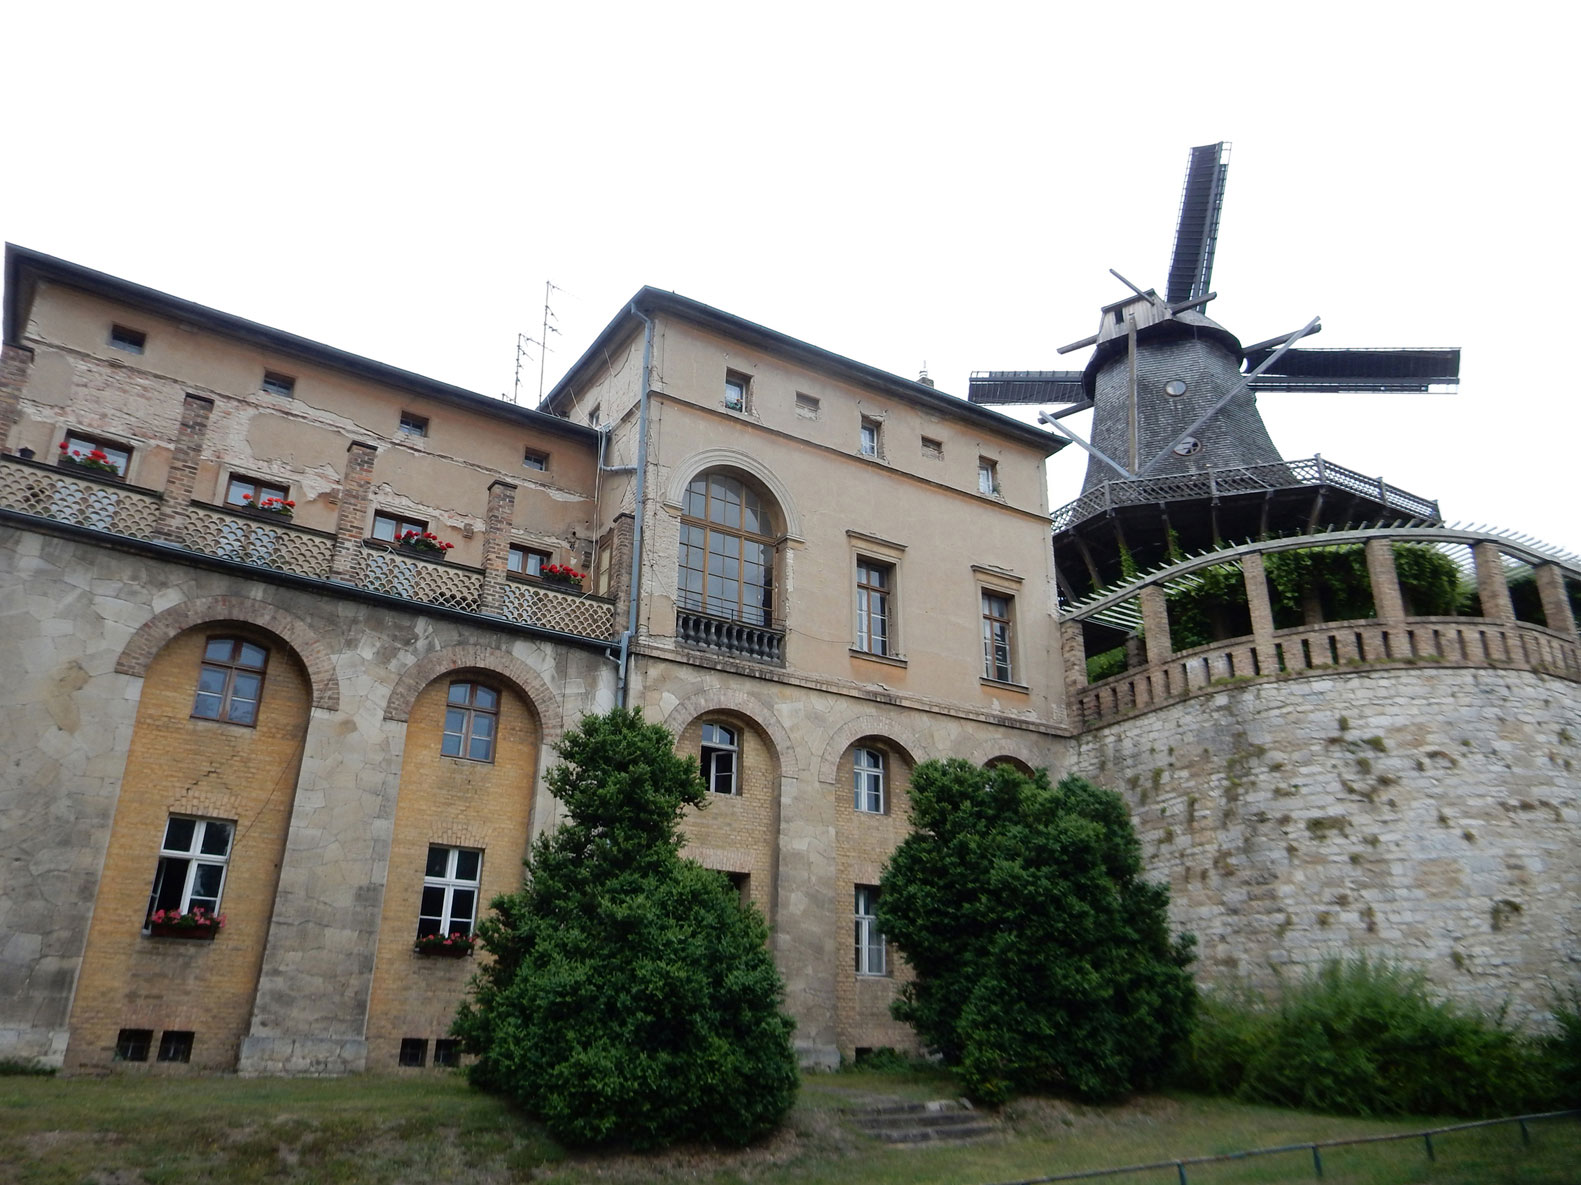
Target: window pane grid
192	861
872	608
450	891
996	638
230	681
720	758
869	940
471	722
723	570
868	770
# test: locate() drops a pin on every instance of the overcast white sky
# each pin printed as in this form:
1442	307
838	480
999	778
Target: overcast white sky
899	183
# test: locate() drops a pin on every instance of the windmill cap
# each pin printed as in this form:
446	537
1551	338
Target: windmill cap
1184	326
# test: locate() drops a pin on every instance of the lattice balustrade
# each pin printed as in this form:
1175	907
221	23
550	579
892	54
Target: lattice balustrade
570	613
83	502
265	543
434	582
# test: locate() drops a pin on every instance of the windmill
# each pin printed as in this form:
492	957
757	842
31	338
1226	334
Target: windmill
1179	455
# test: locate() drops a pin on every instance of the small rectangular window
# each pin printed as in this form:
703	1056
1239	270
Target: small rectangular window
279	384
721	758
867	766
390	527
230	681
132	1045
414	1051
987	476
250	493
175	1045
95	453
736	387
472	716
130	340
593	416
870	439
450	891
414	425
447	1052
807	406
527	561
932	450
869	939
998	612
534	459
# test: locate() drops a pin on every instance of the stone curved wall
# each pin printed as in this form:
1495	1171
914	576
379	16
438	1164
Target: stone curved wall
1425	815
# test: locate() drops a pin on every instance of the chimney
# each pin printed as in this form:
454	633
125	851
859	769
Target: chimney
924	379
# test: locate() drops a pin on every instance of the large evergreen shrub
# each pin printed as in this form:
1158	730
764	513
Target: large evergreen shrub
1042	959
632	998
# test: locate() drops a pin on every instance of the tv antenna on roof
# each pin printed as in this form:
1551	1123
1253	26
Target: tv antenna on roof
523	341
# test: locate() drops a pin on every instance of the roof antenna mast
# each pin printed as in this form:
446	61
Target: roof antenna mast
523	341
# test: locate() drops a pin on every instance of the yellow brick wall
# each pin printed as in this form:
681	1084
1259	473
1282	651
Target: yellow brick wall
458	803
737	832
178	765
863	842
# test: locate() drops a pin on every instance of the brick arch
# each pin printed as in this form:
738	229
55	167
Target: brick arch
152	636
1021	749
873	725
469	657
721	699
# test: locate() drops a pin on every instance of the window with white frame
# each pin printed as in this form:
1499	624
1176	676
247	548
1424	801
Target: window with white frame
450	891
987	476
998	618
472	716
736	387
869	939
873	584
870	439
192	861
721	757
230	681
867	766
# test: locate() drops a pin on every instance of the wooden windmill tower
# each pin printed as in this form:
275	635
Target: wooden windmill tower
1179	456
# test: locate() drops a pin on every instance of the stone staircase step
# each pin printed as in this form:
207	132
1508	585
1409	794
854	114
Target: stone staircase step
914	1123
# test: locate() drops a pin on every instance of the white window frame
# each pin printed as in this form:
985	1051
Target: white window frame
195	858
737	389
871	956
448	921
870	439
868	768
987	476
721	757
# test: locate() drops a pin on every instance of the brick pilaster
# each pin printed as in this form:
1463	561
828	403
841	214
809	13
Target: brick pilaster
1556	605
184	458
14	364
497	544
1073	657
1387	604
351	523
620	568
1155	624
1493	587
1255	574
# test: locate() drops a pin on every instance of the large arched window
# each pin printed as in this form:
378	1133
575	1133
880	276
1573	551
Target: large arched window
727	551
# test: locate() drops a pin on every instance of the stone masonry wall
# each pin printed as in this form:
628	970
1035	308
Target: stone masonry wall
1427	816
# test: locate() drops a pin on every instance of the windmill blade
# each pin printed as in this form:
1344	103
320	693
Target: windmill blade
1025	386
1358	370
1191	267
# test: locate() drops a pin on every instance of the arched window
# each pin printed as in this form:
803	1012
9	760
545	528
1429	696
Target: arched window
472	714
727	551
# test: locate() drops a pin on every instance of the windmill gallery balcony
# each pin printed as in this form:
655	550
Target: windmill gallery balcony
270	542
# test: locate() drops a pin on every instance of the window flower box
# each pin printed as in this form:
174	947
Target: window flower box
562	576
94	461
423	543
198	924
271	507
445	946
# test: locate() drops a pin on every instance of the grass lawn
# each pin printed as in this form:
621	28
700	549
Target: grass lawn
432	1128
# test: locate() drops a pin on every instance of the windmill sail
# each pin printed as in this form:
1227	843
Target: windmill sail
1198	230
1357	370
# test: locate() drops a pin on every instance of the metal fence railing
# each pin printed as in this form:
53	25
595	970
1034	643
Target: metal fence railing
1315	1149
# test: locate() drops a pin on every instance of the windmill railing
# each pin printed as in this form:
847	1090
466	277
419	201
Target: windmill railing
1246	479
1395	637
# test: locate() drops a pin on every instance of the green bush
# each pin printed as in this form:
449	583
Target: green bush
1360	1038
1109	663
1042	960
632	998
1564	1047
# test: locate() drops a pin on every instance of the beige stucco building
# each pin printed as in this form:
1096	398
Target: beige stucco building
283	635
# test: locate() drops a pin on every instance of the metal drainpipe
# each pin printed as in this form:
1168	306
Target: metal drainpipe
640	507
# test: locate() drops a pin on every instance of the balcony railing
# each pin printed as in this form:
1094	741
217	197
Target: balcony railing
278	544
734	639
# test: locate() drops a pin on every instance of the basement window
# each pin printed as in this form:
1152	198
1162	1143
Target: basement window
447	1052
131	1045
175	1045
414	1051
130	340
